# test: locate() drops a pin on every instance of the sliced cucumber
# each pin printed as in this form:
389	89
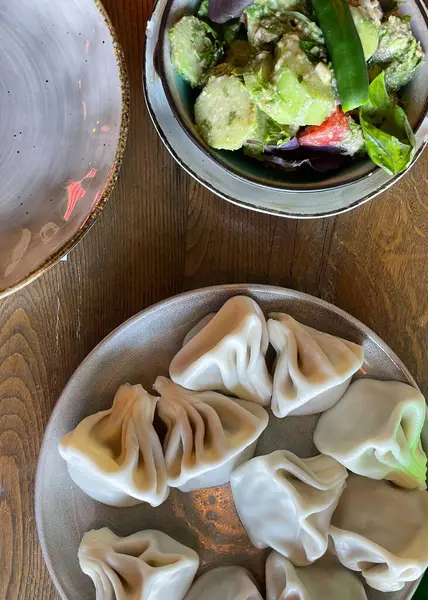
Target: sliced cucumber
224	113
271	133
367	30
195	48
265	20
296	92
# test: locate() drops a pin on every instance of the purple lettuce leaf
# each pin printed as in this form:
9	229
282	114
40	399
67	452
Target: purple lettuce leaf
293	144
291	156
220	11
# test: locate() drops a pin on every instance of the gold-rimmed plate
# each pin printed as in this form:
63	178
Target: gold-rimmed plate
64	116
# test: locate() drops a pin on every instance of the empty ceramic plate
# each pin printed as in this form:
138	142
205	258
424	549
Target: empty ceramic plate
64	111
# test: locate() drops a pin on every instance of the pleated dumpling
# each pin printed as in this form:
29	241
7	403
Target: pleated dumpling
375	431
208	434
382	531
313	369
324	580
148	565
224	583
285	502
115	456
227	354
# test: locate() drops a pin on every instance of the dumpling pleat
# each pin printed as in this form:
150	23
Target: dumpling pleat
115	456
313	368
208	434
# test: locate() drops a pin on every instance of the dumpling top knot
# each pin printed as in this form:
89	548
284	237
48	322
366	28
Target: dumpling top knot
313	369
115	455
148	565
227	353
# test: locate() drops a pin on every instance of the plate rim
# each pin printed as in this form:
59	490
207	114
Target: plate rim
239	288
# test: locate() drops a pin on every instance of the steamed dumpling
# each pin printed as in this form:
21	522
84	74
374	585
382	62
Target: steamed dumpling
375	431
208	434
227	354
149	565
286	502
324	580
224	583
115	455
313	369
382	531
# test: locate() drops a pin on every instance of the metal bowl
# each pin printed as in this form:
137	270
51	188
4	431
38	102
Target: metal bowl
138	351
64	116
243	180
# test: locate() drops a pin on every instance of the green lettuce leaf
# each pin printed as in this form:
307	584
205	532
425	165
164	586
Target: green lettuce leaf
389	137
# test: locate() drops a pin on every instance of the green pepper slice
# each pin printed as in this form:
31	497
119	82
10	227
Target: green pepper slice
346	51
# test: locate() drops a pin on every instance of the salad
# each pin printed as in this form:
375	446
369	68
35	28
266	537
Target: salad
300	82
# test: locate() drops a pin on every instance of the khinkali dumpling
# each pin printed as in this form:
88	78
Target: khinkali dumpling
148	565
115	455
227	354
224	583
313	369
381	530
208	434
375	430
286	502
324	580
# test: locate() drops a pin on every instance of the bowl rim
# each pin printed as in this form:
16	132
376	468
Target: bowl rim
159	64
111	181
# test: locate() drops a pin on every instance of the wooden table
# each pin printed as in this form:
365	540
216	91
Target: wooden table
162	233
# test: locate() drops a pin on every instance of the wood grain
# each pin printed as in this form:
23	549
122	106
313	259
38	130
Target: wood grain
160	234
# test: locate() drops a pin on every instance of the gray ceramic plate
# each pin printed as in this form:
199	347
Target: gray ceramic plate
138	351
244	181
64	116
